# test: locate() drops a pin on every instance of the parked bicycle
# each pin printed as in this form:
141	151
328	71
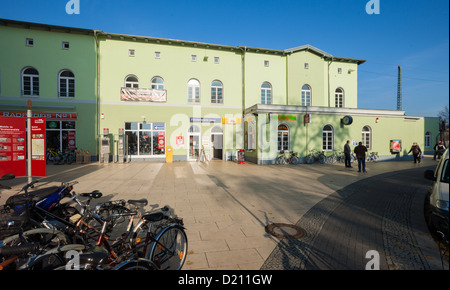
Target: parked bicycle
372	156
314	156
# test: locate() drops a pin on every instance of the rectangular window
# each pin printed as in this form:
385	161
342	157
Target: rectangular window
339	70
145	139
266	63
29	42
216	59
193	57
306	65
157	54
131	52
65	45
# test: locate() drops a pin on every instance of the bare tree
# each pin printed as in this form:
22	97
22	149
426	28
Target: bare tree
443	116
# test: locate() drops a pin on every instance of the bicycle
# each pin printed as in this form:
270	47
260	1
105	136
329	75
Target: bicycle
158	237
372	156
315	155
281	158
292	159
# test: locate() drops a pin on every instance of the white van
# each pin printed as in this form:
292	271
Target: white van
437	199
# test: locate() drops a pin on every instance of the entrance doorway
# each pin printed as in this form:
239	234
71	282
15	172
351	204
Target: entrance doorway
217	142
194	143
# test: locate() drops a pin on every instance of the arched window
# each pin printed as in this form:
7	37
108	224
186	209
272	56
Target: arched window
339	98
306	95
193	87
131	81
30	82
66	83
428	139
216	92
266	93
327	138
366	137
283	137
157	83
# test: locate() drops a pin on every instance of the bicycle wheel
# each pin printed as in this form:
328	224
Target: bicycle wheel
170	248
294	160
322	159
137	265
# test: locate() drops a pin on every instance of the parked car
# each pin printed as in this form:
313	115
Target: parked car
436	202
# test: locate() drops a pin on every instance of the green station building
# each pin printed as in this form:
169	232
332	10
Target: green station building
171	99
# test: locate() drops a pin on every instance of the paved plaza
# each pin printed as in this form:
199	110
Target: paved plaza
226	207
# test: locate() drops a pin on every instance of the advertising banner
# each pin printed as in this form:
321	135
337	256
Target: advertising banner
143	95
161	140
38	164
13	149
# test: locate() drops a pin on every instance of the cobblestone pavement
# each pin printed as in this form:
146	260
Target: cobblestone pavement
382	213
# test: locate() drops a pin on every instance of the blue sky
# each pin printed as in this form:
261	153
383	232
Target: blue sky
411	33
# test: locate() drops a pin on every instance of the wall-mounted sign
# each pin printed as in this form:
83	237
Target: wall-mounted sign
307	118
205	120
143	95
287	118
72	116
13	149
38	164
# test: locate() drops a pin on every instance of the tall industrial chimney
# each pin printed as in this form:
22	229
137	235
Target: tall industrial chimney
399	89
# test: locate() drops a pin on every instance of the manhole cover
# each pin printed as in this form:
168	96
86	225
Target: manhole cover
285	231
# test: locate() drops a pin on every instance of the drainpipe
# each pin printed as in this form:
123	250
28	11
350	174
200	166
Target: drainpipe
329	63
97	46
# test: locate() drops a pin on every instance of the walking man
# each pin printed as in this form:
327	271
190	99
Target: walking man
416	151
438	150
360	152
347	152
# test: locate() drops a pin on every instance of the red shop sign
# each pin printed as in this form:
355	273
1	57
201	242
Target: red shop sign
161	140
38	164
13	146
71	116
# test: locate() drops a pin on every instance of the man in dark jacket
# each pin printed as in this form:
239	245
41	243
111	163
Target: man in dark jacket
439	149
416	152
360	152
347	152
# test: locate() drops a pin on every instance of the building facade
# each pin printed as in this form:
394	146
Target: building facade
186	96
53	67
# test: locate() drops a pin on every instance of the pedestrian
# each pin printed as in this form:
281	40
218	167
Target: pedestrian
347	152
439	149
360	152
415	148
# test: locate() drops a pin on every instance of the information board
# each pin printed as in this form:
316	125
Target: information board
13	149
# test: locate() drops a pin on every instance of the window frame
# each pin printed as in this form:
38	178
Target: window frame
157	86
32	77
264	91
366	136
67	80
304	91
131	83
194	90
428	139
327	138
215	89
281	144
339	98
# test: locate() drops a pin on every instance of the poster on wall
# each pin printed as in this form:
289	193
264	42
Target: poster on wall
38	164
161	140
142	94
13	149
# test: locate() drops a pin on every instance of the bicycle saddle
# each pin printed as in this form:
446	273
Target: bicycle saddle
153	217
138	202
93	194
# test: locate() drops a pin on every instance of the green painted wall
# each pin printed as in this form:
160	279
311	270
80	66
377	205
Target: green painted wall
49	58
